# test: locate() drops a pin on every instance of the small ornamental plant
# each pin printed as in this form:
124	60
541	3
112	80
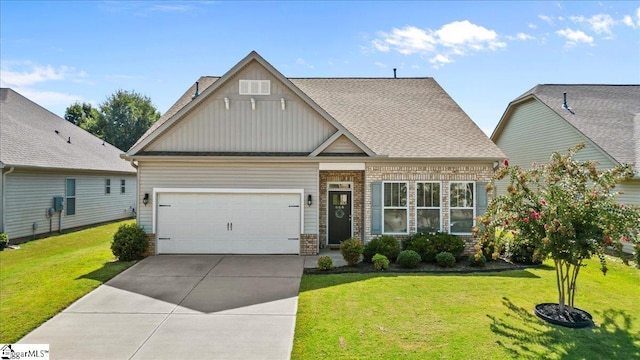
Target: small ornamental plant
565	210
445	259
325	263
409	259
351	249
129	242
380	262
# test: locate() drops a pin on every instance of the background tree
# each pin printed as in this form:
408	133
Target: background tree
567	210
121	119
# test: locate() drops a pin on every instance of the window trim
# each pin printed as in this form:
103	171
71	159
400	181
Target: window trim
428	207
67	197
406	207
473	206
107	186
123	186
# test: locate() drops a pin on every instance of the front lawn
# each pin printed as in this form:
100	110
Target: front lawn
45	276
471	316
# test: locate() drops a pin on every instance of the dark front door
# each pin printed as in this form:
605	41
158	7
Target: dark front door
339	216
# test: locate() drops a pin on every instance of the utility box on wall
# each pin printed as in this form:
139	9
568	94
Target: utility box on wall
57	203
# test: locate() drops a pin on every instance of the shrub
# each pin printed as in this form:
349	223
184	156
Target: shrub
325	263
380	262
409	259
407	242
445	259
522	251
477	260
351	249
443	242
129	242
423	246
636	253
4	241
384	245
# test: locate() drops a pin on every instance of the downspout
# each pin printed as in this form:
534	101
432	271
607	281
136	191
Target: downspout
136	208
4	186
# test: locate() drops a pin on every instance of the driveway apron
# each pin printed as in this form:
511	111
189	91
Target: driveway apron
183	307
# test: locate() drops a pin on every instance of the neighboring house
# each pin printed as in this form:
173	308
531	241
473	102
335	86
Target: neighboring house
254	162
606	118
44	157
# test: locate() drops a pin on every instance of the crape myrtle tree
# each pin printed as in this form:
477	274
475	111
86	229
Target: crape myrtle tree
566	209
121	119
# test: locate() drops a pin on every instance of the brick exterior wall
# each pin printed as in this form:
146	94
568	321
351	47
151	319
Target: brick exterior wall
151	250
444	173
308	244
357	199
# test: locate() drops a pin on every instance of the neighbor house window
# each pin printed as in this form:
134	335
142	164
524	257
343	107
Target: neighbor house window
461	207
122	186
107	186
428	207
395	208
71	197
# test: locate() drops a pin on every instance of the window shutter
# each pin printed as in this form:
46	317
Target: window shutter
482	200
376	208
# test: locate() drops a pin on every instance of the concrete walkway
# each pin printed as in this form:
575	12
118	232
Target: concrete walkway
183	307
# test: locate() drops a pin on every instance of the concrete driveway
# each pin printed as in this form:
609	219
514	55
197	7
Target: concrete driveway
183	307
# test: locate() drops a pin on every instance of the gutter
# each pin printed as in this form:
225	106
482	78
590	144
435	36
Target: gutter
4	185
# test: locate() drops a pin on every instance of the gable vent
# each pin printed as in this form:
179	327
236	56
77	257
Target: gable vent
255	87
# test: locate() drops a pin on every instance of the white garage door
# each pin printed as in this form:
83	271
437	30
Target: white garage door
215	223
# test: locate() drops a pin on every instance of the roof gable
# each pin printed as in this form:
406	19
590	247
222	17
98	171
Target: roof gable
605	114
32	136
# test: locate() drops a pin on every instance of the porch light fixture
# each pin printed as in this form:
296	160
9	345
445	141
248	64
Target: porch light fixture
309	202
226	103
145	200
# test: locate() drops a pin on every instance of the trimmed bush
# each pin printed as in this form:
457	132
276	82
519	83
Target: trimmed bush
522	251
351	249
445	259
477	260
4	241
424	247
384	245
325	263
407	242
409	259
129	242
380	262
443	242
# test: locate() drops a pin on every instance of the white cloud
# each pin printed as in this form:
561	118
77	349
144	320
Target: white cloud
638	16
380	64
546	19
457	38
574	37
628	20
600	23
532	26
301	61
520	36
49	98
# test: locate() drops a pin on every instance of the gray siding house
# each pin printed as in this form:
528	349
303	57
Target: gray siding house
255	162
43	157
606	118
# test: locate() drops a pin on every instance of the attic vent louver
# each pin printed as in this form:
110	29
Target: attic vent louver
255	87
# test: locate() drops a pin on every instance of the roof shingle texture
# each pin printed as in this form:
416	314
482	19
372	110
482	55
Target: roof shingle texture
398	118
609	115
28	138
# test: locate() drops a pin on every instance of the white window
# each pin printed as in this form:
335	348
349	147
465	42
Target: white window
395	208
255	87
122	186
71	197
107	186
428	209
461	207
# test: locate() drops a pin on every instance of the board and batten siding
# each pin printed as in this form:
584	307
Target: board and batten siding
211	127
229	176
29	194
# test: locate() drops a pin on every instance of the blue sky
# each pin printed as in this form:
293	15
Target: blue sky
484	54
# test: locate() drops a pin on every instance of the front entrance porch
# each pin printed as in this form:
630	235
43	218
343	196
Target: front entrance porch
341	206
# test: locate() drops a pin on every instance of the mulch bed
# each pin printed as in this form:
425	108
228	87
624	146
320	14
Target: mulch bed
461	267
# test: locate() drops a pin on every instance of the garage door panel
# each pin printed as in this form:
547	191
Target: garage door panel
228	223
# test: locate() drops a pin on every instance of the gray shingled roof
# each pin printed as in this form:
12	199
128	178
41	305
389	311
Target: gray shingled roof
606	114
399	118
28	138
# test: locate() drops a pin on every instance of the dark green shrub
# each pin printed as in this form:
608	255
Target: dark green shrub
477	260
4	241
409	259
129	242
384	245
424	247
443	242
351	249
325	263
445	259
408	241
380	262
636	254
521	251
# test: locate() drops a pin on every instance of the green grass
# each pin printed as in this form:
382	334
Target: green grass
474	316
45	276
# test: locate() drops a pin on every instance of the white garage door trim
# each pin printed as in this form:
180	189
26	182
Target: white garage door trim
157	191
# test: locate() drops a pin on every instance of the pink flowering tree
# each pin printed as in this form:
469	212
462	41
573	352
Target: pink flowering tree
566	209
